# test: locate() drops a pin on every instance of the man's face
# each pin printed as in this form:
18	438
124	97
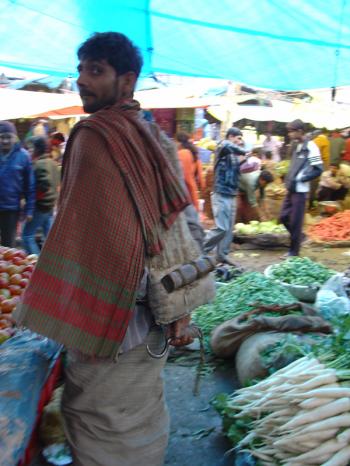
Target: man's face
238	140
99	85
295	134
7	141
333	170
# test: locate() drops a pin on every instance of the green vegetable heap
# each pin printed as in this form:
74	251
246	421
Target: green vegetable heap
243	294
254	228
301	271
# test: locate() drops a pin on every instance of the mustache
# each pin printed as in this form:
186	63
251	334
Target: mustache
86	94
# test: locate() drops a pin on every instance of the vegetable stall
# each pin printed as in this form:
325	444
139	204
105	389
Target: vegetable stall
266	234
333	231
299	414
294	409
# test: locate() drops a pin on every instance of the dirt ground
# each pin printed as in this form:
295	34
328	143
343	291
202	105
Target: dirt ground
195	436
259	259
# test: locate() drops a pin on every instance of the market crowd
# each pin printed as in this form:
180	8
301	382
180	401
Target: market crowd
229	190
29	184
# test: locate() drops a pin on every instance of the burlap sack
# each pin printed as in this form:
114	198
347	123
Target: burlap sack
179	248
249	362
248	358
228	337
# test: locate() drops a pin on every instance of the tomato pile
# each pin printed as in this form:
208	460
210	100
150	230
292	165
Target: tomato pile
16	268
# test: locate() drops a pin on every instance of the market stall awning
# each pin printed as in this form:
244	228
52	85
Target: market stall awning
27	104
278	111
286	45
65	112
321	114
21	104
173	97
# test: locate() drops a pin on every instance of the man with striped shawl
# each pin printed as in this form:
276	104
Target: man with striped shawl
88	291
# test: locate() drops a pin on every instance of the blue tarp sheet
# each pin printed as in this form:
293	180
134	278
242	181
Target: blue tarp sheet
26	361
286	45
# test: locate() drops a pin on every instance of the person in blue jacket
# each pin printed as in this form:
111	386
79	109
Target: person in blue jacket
17	182
230	156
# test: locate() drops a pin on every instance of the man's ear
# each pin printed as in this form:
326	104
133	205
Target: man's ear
128	82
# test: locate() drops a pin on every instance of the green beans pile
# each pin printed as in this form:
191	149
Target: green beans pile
301	271
243	294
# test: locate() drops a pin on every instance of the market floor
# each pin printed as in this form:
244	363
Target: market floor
195	434
258	259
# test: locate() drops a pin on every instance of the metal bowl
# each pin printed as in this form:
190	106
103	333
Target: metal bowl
329	207
306	293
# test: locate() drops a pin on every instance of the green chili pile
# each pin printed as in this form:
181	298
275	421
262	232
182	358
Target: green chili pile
243	294
301	271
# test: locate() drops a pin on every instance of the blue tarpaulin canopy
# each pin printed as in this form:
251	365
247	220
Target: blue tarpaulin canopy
285	45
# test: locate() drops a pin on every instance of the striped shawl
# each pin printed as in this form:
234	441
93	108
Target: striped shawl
84	287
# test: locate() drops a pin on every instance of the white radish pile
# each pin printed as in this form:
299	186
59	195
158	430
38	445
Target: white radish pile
301	416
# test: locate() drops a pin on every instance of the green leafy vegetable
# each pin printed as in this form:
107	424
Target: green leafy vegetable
243	294
301	271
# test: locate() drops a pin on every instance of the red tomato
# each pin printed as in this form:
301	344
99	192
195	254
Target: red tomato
28	268
9	254
19	261
7	306
2	298
3	266
12	269
26	274
15	290
15	279
4	281
20	253
24	282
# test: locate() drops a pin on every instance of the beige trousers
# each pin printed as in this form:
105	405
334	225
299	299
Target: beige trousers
115	413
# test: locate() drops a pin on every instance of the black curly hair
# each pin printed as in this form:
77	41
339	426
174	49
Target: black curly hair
114	47
40	145
184	140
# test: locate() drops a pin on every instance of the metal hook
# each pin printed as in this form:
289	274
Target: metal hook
162	353
164	350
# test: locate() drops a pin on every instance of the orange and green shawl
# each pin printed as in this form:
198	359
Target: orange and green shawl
84	287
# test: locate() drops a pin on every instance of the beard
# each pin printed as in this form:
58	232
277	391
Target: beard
93	103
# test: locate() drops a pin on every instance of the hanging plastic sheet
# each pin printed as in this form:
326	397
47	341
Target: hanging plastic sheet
25	363
289	45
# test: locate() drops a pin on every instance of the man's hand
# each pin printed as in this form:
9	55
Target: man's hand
29	218
179	332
